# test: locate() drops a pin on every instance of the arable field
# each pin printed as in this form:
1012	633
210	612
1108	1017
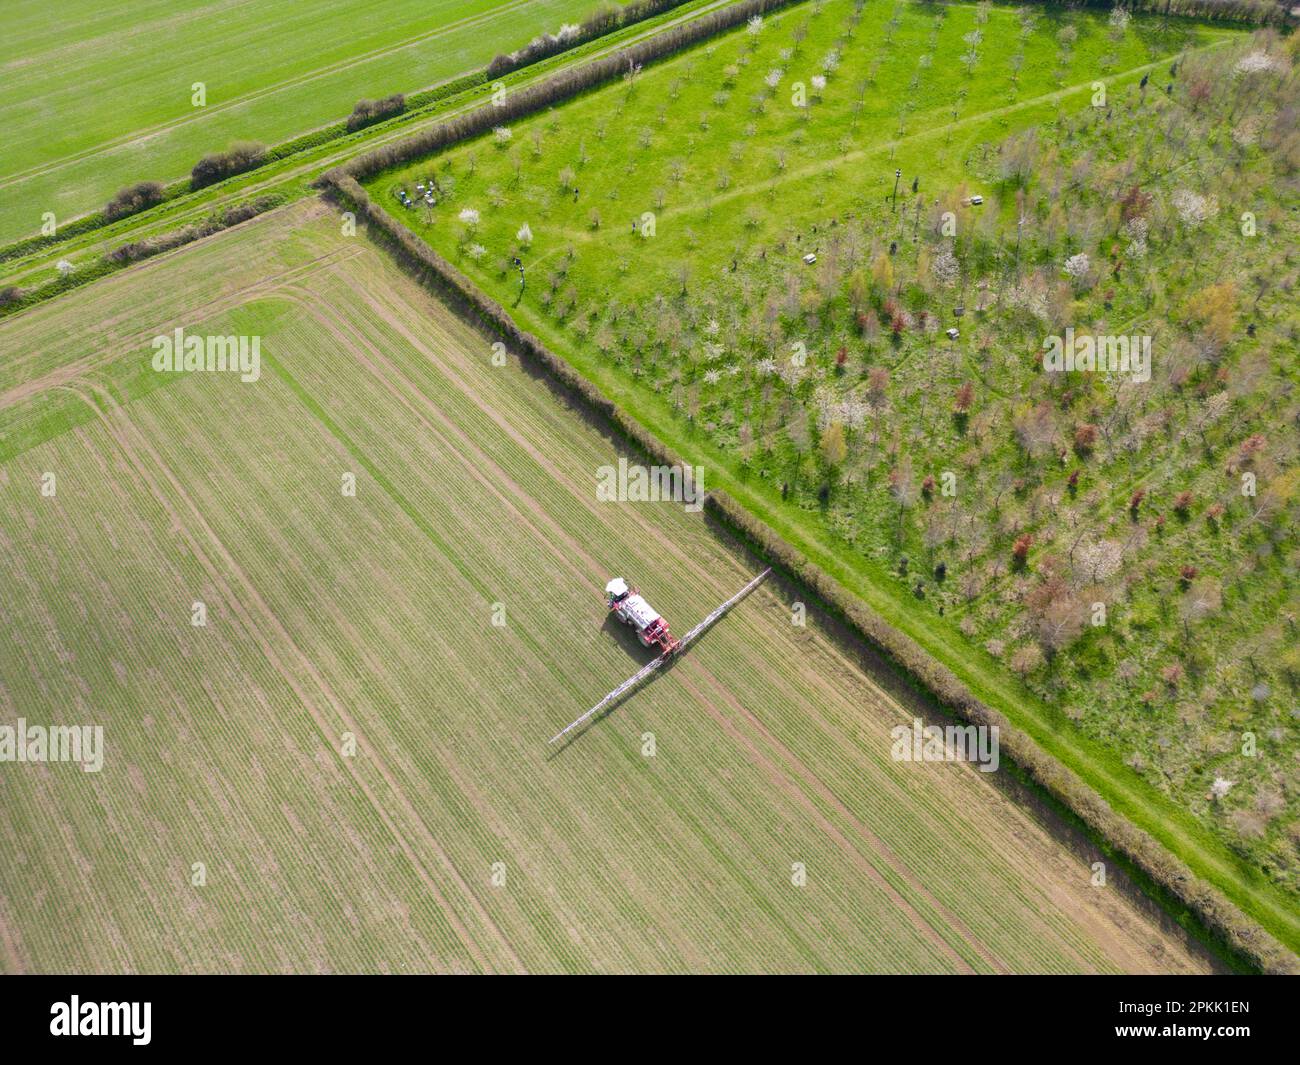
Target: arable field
453	838
106	100
1109	558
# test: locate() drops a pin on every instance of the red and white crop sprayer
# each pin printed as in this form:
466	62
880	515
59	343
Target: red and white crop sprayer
631	608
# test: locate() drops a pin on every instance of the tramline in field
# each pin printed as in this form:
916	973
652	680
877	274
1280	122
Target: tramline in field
631	608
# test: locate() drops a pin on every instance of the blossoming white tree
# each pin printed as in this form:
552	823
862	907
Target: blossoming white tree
1260	63
1076	266
1193	208
945	268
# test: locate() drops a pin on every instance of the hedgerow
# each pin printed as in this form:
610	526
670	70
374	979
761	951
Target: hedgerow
368	112
134	198
239	158
13	298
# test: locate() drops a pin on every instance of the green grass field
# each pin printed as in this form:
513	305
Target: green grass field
672	278
371	615
106	100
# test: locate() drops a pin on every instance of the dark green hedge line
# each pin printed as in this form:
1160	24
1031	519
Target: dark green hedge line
1223	919
368	112
604	19
1253	12
14	299
239	158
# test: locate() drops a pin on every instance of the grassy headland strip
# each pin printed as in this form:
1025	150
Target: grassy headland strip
1226	923
14	299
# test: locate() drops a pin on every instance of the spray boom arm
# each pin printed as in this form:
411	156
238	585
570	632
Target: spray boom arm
644	672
